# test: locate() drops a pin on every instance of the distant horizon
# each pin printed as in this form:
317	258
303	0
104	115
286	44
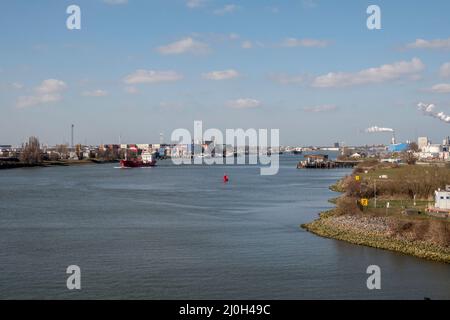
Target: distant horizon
384	139
331	145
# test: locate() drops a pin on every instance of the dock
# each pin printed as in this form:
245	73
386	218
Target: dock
320	161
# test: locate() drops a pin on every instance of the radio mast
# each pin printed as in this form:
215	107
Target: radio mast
71	137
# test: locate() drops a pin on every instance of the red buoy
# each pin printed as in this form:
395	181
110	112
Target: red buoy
225	178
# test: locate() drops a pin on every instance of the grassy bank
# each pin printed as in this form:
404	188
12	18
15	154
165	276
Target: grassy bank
383	223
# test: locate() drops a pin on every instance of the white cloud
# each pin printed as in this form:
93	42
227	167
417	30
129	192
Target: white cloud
229	8
320	108
48	91
195	3
29	101
186	45
115	2
440	88
152	76
444	71
244	103
429	44
221	75
307	43
51	86
285	79
95	93
131	90
246	44
380	74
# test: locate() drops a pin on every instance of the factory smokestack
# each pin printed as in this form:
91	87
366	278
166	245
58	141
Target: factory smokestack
71	137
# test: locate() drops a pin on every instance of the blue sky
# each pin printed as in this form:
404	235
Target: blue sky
310	68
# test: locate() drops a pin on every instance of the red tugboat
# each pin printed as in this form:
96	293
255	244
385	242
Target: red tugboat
145	160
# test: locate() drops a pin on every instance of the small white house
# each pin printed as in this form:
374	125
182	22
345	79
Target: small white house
442	199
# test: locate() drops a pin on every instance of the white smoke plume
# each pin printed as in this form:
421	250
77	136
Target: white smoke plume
429	110
376	129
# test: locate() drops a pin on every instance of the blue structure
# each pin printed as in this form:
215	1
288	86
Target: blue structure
398	147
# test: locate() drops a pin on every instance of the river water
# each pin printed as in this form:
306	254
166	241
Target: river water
179	232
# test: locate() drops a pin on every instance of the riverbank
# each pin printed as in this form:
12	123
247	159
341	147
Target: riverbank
382	223
58	163
376	232
14	165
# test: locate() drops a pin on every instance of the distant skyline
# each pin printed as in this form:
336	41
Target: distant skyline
310	68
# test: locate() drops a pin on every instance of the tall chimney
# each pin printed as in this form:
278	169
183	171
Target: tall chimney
71	137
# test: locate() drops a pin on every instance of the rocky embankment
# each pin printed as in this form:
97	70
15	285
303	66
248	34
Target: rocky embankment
380	232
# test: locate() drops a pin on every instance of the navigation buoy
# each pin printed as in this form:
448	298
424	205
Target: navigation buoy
225	178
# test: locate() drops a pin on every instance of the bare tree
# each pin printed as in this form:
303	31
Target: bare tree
409	157
31	152
413	147
63	150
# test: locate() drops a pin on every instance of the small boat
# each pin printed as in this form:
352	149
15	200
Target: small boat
145	160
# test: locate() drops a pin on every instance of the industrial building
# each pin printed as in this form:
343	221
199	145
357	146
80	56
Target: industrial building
422	142
398	147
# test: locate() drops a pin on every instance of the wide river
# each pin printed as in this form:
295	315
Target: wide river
179	232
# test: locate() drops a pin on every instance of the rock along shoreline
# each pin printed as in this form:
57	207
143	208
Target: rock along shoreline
373	232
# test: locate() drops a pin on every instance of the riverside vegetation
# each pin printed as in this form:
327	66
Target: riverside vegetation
32	155
392	191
